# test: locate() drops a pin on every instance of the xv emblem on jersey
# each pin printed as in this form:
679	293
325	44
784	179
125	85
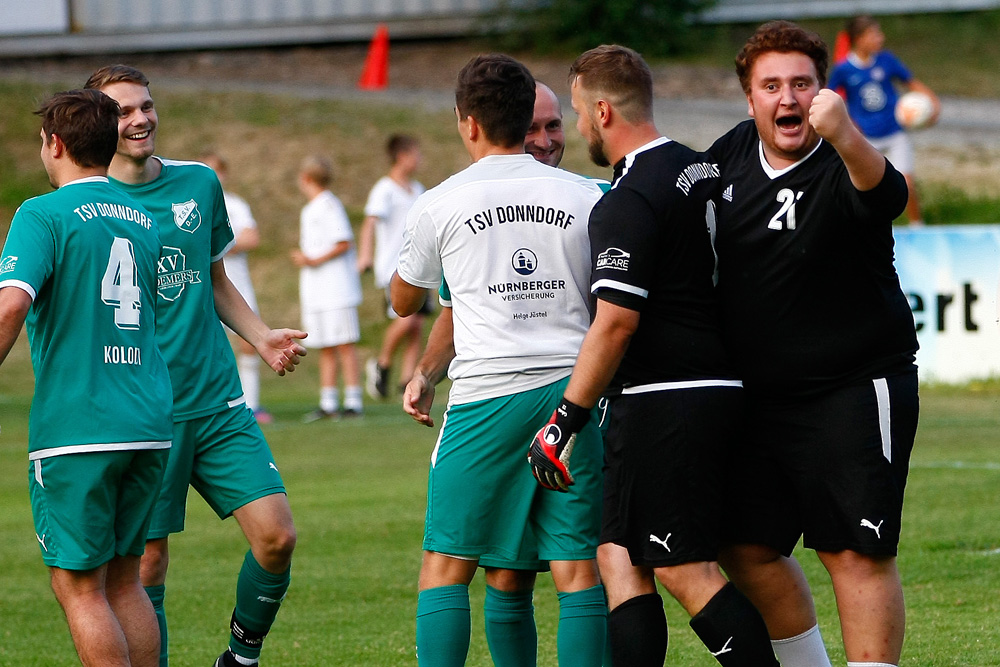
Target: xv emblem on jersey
172	274
613	258
8	263
187	217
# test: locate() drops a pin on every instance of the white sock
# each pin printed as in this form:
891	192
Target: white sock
249	371
870	664
352	398
805	650
328	399
245	661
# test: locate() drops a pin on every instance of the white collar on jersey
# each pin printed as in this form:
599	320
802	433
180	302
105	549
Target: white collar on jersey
856	60
630	157
87	179
773	173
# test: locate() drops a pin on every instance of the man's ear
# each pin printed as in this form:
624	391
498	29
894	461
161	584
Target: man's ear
603	112
55	146
472	129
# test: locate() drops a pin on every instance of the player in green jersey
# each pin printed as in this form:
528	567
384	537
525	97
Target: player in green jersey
79	264
219	448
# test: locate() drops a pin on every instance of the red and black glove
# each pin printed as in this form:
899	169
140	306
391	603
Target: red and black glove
553	445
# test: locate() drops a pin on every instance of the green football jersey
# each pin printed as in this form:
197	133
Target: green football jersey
87	255
186	200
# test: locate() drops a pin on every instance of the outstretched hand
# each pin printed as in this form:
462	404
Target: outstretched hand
281	349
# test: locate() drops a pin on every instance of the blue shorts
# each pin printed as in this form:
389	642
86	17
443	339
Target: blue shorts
225	457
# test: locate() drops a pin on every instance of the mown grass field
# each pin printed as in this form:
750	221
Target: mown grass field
357	488
357	491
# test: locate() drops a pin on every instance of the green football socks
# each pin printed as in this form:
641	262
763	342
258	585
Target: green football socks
510	628
156	595
583	619
258	596
443	626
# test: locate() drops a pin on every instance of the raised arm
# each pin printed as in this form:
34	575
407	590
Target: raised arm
865	164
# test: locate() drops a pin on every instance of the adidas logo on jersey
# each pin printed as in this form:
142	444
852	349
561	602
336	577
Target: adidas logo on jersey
727	194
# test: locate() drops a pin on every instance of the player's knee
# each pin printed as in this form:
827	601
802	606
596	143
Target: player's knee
275	551
852	565
740	559
154	562
510	581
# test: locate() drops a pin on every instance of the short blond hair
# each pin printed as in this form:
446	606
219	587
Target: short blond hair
318	169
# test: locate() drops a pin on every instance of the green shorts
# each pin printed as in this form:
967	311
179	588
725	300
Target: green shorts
225	457
93	506
482	499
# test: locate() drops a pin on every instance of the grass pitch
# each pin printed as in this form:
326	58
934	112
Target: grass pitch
357	491
357	487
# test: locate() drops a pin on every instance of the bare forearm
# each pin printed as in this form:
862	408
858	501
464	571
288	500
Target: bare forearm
233	310
865	164
440	350
601	353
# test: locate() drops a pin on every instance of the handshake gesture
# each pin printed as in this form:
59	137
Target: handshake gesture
553	445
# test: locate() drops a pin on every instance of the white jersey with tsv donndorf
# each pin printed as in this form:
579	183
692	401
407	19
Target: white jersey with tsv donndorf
509	235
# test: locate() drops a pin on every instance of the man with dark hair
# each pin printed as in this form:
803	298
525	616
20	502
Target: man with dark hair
378	248
824	340
218	446
655	346
514	252
80	265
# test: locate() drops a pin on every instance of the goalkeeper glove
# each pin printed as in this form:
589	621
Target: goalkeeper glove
553	445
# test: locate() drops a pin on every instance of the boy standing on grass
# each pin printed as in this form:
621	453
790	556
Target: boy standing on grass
381	237
329	290
79	265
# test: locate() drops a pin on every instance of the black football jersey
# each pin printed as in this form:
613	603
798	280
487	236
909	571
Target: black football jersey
810	297
652	253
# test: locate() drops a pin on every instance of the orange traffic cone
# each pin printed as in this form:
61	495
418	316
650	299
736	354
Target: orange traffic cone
841	47
375	75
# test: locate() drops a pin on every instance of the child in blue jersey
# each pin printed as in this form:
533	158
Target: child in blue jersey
866	79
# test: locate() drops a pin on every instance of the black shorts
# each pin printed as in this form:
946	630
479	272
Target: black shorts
663	472
830	468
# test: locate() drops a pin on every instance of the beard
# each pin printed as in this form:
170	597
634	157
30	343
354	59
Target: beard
595	147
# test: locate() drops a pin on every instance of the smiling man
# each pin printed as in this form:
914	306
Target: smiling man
823	339
545	140
218	446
